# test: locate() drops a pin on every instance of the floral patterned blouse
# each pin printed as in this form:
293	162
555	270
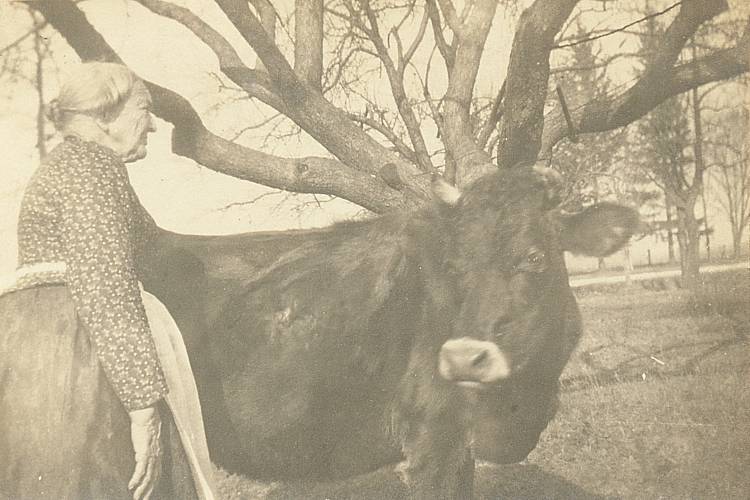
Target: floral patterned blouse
80	209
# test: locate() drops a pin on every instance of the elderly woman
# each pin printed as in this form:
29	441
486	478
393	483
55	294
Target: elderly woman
82	381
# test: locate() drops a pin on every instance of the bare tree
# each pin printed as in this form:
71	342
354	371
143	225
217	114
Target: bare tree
666	141
41	53
672	147
585	161
24	60
383	161
731	171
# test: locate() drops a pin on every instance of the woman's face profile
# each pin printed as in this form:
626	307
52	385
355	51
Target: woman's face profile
129	130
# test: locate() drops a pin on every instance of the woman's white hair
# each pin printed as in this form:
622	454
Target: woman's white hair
96	89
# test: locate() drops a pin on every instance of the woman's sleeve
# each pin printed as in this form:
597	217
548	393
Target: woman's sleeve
103	283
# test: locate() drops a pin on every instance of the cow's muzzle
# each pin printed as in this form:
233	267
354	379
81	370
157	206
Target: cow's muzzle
471	362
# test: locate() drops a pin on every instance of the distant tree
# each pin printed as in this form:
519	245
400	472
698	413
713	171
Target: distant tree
666	153
671	151
591	165
24	60
41	47
731	172
584	160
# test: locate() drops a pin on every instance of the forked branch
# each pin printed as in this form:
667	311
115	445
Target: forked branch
191	139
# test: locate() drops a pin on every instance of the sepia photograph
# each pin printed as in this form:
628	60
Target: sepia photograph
374	249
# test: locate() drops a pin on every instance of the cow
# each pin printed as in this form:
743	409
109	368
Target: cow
423	339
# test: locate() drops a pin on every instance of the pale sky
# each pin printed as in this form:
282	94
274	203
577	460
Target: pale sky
180	194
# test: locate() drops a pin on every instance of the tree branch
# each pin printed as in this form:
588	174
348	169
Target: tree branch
396	80
309	109
340	65
527	79
300	175
20	39
308	41
470	160
692	14
267	14
494	117
448	52
388	133
403	62
253	31
255	83
599	63
617	30
654	87
191	139
224	51
451	17
434	111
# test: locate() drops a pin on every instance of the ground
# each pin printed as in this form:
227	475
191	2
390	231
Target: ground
655	404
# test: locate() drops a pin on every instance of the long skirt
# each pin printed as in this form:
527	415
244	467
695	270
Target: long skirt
64	434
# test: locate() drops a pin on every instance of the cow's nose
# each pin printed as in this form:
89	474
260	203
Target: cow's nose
472	360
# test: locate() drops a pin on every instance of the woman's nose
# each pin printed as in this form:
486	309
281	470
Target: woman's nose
151	123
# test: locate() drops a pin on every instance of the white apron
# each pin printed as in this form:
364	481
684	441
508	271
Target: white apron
182	398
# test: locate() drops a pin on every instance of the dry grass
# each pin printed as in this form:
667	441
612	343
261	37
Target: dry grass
655	404
684	437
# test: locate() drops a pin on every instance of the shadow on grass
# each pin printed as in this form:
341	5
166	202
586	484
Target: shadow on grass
492	482
527	482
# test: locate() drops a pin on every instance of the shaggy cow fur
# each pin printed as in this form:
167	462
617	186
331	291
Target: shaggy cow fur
316	351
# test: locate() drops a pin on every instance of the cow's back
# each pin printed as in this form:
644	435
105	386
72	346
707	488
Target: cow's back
299	340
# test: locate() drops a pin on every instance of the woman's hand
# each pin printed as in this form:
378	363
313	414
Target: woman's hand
145	429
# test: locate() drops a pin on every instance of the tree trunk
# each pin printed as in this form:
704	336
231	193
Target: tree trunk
688	237
705	225
700	166
670	235
628	261
736	242
527	80
601	265
40	49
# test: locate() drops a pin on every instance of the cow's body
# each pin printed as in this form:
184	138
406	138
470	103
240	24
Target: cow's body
316	352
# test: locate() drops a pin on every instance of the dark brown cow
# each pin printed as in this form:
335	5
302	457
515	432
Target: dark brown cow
421	339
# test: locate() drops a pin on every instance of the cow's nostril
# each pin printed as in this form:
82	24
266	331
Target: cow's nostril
471	360
477	359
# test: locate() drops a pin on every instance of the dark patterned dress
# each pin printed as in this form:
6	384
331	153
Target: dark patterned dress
75	358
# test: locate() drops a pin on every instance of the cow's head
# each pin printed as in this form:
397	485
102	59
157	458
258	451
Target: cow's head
516	319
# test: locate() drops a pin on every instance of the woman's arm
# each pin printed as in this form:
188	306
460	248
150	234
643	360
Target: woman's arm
98	251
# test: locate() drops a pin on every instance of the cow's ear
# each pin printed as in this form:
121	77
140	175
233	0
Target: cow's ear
599	230
443	192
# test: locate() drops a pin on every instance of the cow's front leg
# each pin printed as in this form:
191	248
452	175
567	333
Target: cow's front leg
465	482
438	464
448	475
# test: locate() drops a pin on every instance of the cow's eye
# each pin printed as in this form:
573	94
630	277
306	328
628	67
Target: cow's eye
536	258
535	262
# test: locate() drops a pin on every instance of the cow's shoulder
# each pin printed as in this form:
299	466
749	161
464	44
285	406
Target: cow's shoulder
325	290
339	261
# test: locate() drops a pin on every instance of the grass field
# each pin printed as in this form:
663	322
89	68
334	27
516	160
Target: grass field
655	404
